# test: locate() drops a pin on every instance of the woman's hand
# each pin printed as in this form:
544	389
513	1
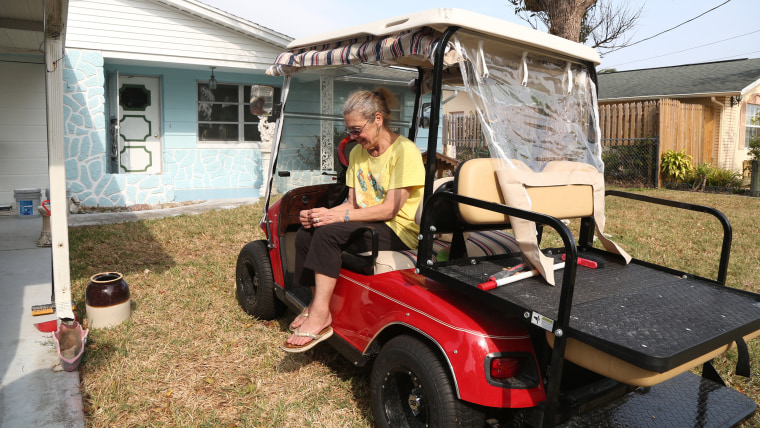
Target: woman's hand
305	218
323	216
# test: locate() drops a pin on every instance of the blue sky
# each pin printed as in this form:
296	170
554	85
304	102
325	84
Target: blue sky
729	32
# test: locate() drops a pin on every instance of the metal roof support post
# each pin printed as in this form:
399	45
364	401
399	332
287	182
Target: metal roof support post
435	112
326	107
269	177
417	102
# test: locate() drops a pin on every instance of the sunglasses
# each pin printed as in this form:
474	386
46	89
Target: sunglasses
354	133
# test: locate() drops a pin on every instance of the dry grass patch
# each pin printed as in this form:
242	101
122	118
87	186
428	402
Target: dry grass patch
189	356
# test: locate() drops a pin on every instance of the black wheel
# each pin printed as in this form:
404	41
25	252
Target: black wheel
255	283
410	387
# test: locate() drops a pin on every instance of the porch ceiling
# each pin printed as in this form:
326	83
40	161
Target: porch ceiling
24	24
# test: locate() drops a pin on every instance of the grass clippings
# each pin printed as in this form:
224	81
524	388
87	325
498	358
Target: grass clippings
189	356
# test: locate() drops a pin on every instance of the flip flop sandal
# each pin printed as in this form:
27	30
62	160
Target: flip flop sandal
303	314
315	339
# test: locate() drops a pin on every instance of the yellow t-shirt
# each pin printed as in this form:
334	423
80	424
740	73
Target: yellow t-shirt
372	177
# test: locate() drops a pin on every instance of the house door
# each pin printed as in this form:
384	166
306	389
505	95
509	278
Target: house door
139	125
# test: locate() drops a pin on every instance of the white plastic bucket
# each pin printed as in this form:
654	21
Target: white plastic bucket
27	201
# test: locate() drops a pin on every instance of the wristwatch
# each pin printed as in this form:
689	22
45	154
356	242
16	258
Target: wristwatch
346	219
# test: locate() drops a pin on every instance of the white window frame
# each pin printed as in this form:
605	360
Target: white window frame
748	125
242	105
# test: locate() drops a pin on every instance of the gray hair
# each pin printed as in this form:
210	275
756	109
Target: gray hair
367	103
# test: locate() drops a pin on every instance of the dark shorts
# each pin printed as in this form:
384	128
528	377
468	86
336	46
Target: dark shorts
319	249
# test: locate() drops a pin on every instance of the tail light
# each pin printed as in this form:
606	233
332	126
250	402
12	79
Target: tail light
505	367
512	370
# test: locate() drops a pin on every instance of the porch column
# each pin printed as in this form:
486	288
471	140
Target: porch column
326	126
57	172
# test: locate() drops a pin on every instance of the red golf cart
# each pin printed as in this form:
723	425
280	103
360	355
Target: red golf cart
589	337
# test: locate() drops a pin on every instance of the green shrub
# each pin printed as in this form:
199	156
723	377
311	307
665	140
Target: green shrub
676	165
754	148
714	176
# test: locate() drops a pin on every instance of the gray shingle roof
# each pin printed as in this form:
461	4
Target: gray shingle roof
707	78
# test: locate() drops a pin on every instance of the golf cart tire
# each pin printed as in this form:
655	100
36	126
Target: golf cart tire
254	282
411	387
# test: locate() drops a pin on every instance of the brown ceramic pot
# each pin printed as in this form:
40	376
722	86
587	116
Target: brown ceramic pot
107	300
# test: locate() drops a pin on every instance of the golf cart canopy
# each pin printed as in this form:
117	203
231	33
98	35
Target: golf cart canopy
534	93
422	30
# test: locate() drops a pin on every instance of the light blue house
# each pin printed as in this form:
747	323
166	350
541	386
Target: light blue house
156	105
156	101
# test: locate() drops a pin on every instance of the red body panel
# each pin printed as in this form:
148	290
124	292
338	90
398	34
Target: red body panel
465	333
274	240
362	306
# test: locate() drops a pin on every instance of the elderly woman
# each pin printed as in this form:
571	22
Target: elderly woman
385	177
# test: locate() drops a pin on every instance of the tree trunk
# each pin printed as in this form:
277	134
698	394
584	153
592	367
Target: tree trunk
566	17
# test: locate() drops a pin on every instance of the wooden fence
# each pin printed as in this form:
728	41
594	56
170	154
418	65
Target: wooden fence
676	124
627	121
686	126
670	124
465	134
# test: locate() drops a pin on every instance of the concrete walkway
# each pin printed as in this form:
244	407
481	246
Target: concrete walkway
35	391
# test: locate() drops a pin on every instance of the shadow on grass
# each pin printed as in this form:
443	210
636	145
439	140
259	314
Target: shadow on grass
357	378
128	248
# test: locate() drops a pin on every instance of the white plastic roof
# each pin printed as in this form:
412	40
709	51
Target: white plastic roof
442	18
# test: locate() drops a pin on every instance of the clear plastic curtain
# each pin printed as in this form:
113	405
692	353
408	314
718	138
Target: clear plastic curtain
533	108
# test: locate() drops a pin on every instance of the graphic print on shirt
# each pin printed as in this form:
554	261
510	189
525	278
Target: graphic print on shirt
379	190
369	194
362	181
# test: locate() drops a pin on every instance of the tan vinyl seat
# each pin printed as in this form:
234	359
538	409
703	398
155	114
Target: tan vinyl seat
477	179
478	244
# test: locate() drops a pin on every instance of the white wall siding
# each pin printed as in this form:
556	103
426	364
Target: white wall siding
23	134
147	30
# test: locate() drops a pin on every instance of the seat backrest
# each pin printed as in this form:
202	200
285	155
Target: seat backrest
548	190
436	185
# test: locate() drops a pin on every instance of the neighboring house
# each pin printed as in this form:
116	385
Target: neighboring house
708	108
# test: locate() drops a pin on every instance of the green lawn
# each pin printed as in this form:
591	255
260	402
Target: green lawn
190	356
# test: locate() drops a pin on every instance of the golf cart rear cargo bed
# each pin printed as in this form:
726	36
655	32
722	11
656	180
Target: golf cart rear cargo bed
684	401
639	313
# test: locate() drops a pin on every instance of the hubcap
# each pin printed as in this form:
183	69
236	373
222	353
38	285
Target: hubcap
415	400
404	399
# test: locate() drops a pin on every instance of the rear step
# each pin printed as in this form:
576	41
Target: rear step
687	400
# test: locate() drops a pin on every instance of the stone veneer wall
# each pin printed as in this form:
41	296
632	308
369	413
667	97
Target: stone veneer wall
234	170
86	142
195	173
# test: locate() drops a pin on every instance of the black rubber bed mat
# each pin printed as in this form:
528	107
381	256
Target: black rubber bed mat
686	400
649	317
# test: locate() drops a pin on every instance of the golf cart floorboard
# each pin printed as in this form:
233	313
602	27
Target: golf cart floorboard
642	314
686	400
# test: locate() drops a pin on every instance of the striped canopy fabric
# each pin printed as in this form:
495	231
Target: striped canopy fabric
409	48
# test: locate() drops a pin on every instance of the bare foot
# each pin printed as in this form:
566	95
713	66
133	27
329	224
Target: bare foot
299	319
314	324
